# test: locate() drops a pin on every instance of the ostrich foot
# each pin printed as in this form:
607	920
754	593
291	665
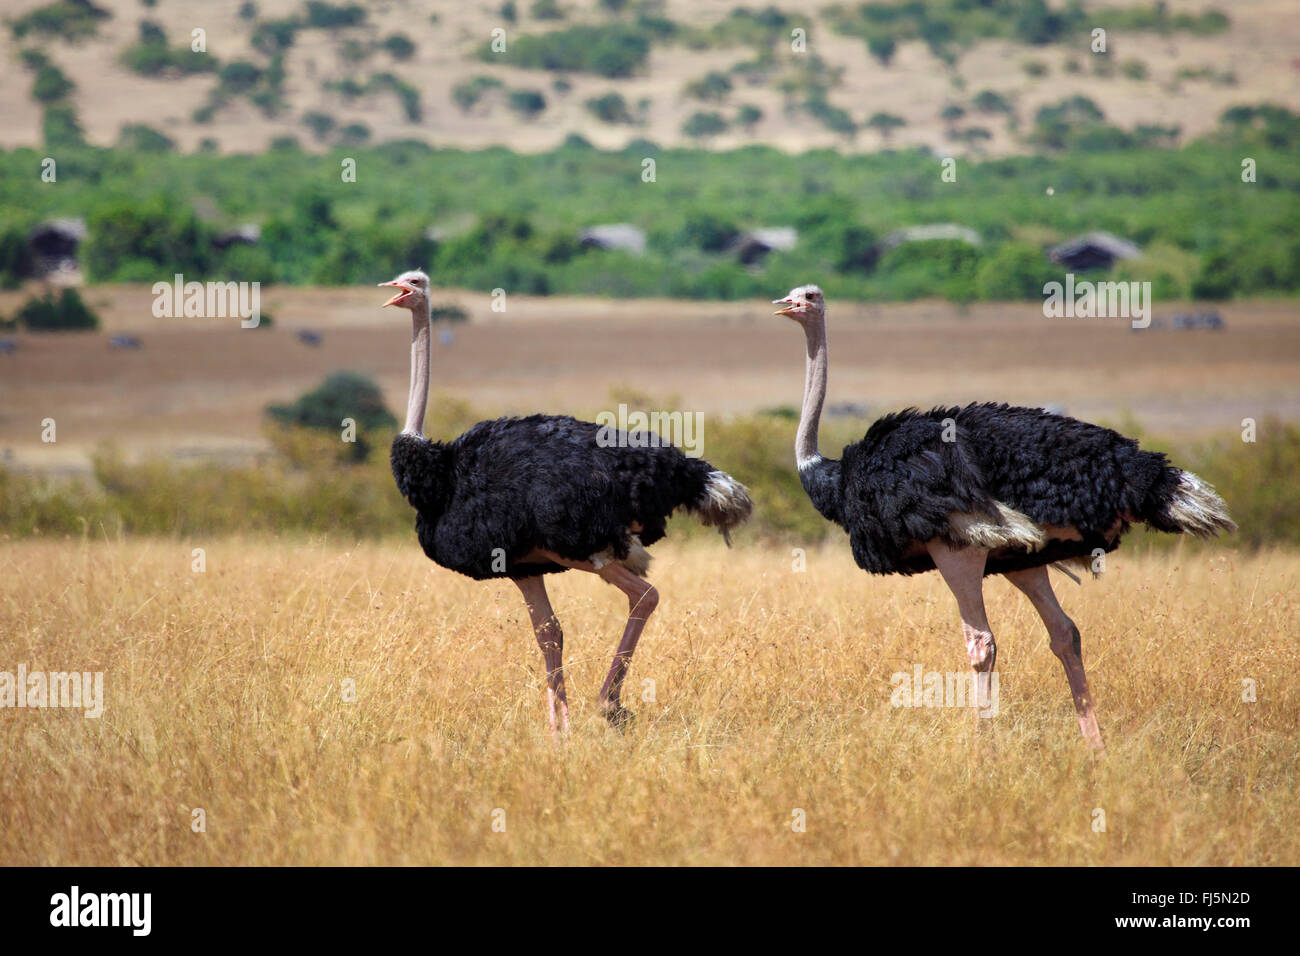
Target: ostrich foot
619	717
557	706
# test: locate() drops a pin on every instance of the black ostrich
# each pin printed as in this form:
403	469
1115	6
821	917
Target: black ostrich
520	498
989	489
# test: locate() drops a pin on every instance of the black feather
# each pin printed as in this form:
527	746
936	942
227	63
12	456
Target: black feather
898	487
508	487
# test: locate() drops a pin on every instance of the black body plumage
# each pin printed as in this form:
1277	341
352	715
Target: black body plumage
507	487
901	484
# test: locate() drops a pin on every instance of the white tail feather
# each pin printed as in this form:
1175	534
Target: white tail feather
725	504
1197	509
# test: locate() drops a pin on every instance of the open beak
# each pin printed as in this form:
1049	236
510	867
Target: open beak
397	299
790	306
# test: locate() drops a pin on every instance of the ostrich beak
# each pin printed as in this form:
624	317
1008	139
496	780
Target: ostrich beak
397	299
790	306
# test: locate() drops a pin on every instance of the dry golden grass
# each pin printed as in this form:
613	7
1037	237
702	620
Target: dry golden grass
224	692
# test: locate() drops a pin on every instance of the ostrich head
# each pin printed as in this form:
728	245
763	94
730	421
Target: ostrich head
804	304
413	292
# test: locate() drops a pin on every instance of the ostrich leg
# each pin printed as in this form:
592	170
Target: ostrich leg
963	572
642	599
551	640
1065	645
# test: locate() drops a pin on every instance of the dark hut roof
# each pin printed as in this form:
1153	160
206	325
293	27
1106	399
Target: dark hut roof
1094	250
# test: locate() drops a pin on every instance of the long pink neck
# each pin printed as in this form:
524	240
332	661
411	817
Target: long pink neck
419	373
814	393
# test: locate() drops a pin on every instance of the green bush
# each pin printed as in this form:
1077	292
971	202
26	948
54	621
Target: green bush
1250	266
937	267
66	313
320	124
1013	271
61	129
467	94
330	16
16	261
51	85
526	103
399	46
990	101
835	119
145	138
851	246
406	94
708	232
704	125
1134	69
946	24
616	50
64	20
151	56
33	59
610	108
342	395
885	123
275	36
712	86
546	10
1076	122
239	76
1267	125
882	48
154	239
354	134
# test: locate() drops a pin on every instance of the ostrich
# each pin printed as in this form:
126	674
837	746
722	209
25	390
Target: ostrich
521	498
989	489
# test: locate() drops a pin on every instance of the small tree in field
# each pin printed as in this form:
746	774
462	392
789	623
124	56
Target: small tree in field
67	313
885	123
344	395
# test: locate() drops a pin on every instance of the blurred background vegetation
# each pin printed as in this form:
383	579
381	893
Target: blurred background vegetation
493	218
158	196
311	482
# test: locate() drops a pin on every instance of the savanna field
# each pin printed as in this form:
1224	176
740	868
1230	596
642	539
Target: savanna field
769	692
604	209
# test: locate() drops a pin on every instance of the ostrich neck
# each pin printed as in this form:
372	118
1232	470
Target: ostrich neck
814	394
419	374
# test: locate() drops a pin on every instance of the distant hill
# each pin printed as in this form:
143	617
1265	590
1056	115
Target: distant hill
956	76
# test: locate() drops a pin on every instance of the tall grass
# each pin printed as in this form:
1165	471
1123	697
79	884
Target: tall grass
769	693
309	483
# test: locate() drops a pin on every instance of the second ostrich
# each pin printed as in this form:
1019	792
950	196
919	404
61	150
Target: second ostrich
521	498
989	489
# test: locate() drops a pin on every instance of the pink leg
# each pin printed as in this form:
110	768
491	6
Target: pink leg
551	640
642	599
963	572
1066	645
